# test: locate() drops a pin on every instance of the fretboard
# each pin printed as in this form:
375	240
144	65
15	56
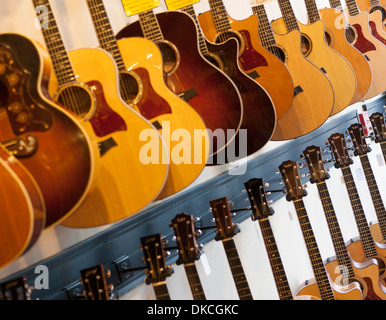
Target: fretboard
55	46
312	11
104	31
238	274
374	3
335	4
220	15
278	271
352	7
375	195
288	15
266	35
320	273
341	252
360	218
161	291
150	27
383	147
194	281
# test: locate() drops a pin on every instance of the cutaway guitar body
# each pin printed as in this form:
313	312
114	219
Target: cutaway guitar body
376	26
336	67
336	39
260	64
371	6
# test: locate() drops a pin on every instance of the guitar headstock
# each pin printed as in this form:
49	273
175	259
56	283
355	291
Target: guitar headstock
379	126
258	199
339	149
183	226
95	284
16	289
223	218
358	139
313	156
291	177
154	254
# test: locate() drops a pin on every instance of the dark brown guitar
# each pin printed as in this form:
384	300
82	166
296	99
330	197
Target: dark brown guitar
379	126
95	284
207	89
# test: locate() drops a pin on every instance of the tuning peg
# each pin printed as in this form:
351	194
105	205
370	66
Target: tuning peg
266	184
197	219
231	203
167	253
301	156
174	238
198	232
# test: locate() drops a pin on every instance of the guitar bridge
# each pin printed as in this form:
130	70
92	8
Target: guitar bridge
22	148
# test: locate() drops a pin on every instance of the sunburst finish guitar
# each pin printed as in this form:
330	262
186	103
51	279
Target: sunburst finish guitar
142	86
313	93
315	49
254	59
39	132
92	93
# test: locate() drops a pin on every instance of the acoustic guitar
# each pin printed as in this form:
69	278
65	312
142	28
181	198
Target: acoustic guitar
341	268
188	74
358	34
326	288
123	186
309	82
23	208
336	39
143	88
379	126
377	14
259	113
15	289
94	280
254	59
315	49
39	133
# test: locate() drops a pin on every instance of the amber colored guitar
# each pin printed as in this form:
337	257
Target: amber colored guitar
22	212
377	20
142	86
340	268
315	49
313	93
365	248
123	186
327	290
187	73
254	59
39	132
336	39
358	34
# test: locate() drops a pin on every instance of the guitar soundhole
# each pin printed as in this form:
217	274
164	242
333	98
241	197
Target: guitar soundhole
328	38
77	99
130	87
306	45
351	35
278	52
383	11
226	35
170	56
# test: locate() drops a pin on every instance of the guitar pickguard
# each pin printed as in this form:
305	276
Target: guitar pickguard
250	58
362	44
375	32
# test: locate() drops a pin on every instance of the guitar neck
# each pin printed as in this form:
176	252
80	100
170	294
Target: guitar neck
288	15
342	255
201	40
335	4
278	271
266	35
360	218
374	3
55	46
375	194
312	11
104	31
194	281
383	148
237	270
320	273
161	291
220	15
150	27
352	7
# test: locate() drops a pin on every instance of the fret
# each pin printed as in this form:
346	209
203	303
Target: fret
335	4
149	25
194	281
320	273
288	15
375	194
312	11
352	7
360	218
237	270
266	34
374	3
161	291
220	15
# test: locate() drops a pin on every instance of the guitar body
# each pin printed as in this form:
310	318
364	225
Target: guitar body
207	89
372	48
22	212
126	184
337	40
259	118
364	5
313	103
39	133
337	69
254	59
158	104
377	27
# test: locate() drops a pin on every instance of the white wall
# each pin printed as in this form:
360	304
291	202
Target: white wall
77	31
